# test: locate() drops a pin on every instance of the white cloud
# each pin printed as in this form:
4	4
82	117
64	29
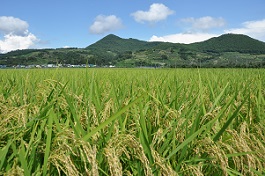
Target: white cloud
204	23
103	24
16	26
185	38
15	34
14	42
157	12
198	30
255	29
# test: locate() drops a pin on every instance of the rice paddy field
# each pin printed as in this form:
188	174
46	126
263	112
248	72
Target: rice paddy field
132	122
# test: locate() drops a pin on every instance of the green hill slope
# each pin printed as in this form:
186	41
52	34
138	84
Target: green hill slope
231	43
228	50
116	44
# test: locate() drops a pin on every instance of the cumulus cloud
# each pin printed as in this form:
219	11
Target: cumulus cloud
204	23
103	24
255	29
156	12
185	38
14	42
15	34
198	30
9	24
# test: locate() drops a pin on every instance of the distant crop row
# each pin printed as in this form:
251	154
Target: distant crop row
132	122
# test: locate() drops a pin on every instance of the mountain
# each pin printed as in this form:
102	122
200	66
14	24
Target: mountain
116	44
231	43
224	43
228	50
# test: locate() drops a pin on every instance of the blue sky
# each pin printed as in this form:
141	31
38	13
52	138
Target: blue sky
68	23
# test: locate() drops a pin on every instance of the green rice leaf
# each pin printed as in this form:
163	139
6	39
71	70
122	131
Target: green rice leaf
234	115
192	137
112	118
48	142
3	153
22	159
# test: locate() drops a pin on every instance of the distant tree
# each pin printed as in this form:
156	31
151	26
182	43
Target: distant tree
125	55
164	57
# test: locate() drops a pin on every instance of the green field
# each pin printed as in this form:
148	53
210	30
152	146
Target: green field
132	122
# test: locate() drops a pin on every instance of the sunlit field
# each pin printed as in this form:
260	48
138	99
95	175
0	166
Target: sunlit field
132	122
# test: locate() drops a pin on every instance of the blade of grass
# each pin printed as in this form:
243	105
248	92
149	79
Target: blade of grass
3	153
22	159
143	134
192	137
48	141
146	148
217	99
218	135
233	172
112	118
75	121
201	93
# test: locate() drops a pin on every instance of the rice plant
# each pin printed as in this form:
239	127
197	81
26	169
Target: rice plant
132	122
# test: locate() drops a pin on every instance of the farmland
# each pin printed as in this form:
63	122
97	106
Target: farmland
132	121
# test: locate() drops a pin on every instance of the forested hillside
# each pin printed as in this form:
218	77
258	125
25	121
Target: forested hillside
231	43
229	50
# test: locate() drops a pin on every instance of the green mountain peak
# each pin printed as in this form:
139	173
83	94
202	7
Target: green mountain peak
231	43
